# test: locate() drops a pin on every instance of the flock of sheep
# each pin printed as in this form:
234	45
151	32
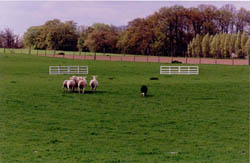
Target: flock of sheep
79	83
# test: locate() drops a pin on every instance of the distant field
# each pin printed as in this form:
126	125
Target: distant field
50	52
199	118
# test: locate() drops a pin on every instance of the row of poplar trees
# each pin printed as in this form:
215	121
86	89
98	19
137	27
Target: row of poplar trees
220	46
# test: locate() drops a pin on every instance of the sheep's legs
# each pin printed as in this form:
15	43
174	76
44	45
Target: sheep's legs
65	89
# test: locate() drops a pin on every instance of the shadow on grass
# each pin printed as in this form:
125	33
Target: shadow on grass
86	92
154	78
96	92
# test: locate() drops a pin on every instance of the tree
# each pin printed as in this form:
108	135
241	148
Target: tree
238	44
189	50
231	10
101	39
197	46
205	46
224	18
242	19
247	47
80	43
243	40
222	43
31	37
213	46
226	46
232	44
137	38
209	14
193	47
8	38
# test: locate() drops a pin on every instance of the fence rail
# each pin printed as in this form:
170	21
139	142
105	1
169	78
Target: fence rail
59	70
179	70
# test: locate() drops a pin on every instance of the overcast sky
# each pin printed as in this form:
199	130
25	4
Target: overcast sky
20	15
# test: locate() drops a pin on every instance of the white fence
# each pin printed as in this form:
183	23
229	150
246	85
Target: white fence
183	70
57	70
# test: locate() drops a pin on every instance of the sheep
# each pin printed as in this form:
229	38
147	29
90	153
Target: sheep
64	85
94	83
82	84
71	85
73	78
144	90
76	79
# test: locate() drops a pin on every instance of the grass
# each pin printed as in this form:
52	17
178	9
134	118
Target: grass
51	52
202	118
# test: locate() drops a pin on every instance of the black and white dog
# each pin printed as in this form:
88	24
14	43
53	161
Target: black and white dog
144	90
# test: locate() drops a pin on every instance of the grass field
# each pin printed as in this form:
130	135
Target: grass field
197	118
51	52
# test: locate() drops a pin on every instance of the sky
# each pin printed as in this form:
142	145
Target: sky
20	15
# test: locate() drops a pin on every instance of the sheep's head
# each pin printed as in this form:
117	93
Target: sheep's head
73	77
94	77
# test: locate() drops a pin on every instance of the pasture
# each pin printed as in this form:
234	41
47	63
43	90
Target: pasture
51	52
187	118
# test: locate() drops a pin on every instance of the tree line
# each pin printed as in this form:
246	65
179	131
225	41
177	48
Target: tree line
220	46
167	32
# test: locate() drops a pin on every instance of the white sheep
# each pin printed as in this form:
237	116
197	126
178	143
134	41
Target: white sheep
82	84
71	85
64	85
76	79
94	83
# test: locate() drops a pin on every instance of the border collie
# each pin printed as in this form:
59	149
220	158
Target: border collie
144	90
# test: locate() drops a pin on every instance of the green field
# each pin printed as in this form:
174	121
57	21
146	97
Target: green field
196	118
51	52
